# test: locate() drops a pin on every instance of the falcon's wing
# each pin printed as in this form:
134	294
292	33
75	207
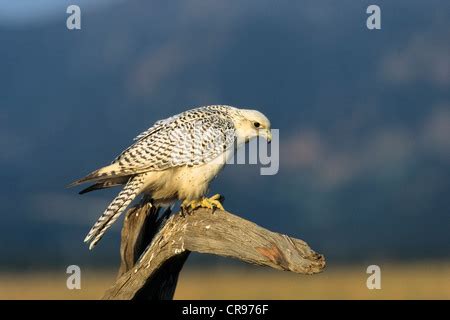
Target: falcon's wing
191	138
157	126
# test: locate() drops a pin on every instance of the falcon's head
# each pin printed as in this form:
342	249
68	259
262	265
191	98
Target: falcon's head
252	123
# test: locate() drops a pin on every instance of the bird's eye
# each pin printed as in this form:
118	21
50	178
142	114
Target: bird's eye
256	124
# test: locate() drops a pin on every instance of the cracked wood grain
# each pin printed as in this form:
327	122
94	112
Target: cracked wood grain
154	249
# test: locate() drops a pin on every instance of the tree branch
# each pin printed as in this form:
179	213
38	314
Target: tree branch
163	245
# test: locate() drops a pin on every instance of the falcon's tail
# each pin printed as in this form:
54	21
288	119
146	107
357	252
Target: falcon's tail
113	171
105	184
114	210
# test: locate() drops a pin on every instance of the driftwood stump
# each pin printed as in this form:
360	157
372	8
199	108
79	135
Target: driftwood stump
155	245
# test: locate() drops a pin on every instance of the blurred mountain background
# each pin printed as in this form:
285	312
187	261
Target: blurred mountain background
364	118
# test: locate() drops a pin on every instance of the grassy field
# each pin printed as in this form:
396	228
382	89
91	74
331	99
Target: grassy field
406	281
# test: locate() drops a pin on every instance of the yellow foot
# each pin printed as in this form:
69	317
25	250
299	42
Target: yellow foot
208	203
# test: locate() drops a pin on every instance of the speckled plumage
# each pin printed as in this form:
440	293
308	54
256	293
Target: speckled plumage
191	138
175	159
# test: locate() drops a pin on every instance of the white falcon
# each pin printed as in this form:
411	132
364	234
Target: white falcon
175	159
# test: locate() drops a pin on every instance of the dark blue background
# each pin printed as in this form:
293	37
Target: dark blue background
364	117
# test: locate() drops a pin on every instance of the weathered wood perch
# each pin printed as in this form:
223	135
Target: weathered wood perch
154	249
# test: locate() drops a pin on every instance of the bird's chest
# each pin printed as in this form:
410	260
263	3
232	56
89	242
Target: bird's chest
198	175
193	182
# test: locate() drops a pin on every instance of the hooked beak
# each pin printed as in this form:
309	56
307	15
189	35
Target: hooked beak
269	136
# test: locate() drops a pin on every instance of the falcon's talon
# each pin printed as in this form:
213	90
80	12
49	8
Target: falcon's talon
215	197
182	212
212	203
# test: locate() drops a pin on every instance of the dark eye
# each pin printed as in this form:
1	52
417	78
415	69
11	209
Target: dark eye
256	124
